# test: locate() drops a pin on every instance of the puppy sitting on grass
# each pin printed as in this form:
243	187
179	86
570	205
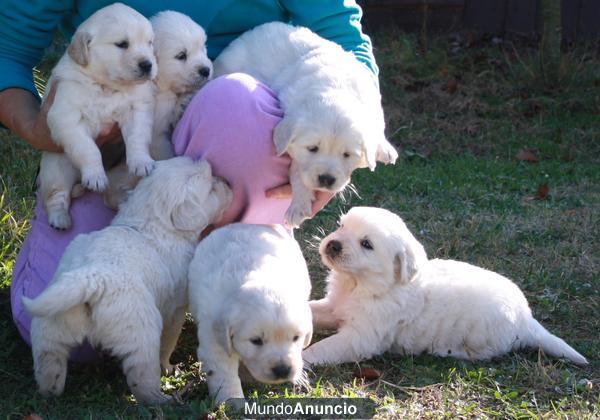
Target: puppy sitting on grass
104	78
384	294
333	120
248	292
124	288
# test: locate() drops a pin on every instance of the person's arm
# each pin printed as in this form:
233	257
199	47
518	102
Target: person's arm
337	21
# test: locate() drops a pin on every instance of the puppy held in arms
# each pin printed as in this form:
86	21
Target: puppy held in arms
248	292
385	295
183	68
333	120
124	288
104	78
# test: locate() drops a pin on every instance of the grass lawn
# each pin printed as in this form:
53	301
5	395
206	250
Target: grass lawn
460	119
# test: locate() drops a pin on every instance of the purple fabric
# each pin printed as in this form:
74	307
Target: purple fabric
230	123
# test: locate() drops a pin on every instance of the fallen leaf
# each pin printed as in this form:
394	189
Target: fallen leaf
369	374
528	155
32	416
451	85
542	192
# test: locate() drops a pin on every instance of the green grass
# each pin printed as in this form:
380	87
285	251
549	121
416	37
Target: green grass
461	190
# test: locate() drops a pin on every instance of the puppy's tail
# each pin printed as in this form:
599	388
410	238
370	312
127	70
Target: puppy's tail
553	345
71	289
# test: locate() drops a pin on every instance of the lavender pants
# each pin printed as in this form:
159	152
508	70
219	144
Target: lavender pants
230	123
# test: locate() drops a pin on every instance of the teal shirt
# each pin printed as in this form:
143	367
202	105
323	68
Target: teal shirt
27	27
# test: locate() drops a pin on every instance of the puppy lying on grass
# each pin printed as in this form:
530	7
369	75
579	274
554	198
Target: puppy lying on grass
248	292
104	78
183	68
333	120
384	294
124	288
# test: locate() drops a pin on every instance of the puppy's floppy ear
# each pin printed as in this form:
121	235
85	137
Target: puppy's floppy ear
188	213
222	334
284	134
308	337
369	156
408	263
78	49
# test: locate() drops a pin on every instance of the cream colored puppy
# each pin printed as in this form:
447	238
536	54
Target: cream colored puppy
183	68
333	120
124	288
105	77
248	292
384	294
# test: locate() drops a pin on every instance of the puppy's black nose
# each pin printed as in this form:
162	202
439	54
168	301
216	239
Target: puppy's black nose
326	180
333	248
145	66
281	371
204	71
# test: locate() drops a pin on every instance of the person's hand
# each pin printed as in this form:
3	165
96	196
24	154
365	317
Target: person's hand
285	192
21	112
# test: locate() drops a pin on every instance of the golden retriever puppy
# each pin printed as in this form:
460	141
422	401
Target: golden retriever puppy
124	288
248	292
183	68
333	120
105	77
384	294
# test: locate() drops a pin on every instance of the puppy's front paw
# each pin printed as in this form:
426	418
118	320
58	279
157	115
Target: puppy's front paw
386	153
141	166
59	219
296	214
94	180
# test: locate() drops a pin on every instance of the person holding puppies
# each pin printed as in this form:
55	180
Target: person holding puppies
229	123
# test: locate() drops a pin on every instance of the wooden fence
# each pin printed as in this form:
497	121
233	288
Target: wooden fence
580	19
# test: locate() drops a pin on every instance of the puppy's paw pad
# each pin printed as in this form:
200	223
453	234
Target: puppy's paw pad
59	220
141	167
94	181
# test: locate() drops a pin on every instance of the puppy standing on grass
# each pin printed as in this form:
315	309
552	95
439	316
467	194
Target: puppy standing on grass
183	68
104	78
384	294
333	120
124	288
248	292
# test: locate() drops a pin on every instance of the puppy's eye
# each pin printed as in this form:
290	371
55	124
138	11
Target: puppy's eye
313	149
365	243
182	56
296	337
123	44
257	341
346	155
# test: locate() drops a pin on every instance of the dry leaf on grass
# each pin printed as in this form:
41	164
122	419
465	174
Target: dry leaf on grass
32	416
542	192
528	155
369	374
451	86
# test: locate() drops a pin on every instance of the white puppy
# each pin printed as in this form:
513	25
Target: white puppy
333	120
124	288
183	68
105	77
248	292
383	294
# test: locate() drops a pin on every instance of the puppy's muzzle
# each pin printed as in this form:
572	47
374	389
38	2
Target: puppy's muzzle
281	371
145	67
326	180
204	72
333	249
